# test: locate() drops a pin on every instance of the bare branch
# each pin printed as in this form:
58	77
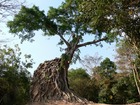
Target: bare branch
9	7
92	42
90	62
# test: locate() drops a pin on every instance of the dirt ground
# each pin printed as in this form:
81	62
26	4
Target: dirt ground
67	103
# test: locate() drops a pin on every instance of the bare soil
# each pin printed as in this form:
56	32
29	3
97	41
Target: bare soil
68	103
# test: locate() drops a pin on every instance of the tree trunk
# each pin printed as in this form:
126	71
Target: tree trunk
136	78
50	83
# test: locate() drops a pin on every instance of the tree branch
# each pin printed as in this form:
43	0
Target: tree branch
66	42
92	42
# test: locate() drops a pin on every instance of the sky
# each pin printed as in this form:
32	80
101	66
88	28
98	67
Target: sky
46	48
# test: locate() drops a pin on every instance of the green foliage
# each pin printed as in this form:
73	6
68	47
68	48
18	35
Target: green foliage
129	93
78	73
64	58
62	21
106	69
104	75
114	17
105	86
14	77
66	17
114	88
28	20
82	85
105	95
59	21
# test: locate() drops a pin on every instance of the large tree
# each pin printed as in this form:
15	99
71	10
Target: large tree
63	22
114	17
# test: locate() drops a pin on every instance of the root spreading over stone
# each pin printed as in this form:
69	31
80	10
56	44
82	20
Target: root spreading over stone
48	83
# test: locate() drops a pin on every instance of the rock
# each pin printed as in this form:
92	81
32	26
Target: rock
43	78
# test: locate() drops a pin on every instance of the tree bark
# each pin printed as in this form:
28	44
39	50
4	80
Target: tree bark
136	78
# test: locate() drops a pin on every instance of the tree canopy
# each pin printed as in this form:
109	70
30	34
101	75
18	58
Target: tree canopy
62	21
114	17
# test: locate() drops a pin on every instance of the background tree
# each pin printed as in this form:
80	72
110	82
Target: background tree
63	22
128	60
107	68
90	62
106	72
106	86
114	87
9	8
124	89
117	17
111	86
81	83
73	73
14	77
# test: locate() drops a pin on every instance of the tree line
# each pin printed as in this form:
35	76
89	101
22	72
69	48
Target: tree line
108	82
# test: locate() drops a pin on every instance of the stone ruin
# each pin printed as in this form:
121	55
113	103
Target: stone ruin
42	78
47	85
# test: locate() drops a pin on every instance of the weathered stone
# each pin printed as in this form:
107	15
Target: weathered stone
49	83
43	79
